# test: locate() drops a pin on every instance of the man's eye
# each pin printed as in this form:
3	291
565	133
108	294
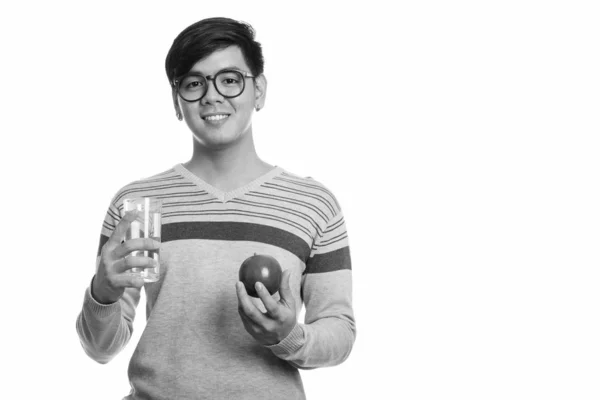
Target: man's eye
230	81
192	83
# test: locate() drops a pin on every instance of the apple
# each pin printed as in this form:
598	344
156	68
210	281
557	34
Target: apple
260	268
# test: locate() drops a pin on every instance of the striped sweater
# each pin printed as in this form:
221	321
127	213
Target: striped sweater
194	345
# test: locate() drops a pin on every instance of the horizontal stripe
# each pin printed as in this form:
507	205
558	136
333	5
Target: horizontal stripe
113	214
287	210
178	194
165	179
300	192
304	183
158	186
143	189
293	224
108	226
290	200
327	262
332	239
329	243
334	226
230	231
236	231
190	203
183	194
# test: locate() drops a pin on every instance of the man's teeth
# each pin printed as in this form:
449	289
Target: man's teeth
215	117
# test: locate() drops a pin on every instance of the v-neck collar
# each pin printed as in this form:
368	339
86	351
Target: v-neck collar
232	194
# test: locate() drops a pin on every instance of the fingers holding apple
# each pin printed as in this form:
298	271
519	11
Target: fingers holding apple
273	326
277	309
285	292
260	268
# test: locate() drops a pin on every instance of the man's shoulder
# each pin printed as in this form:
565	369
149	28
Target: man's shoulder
150	186
293	178
314	190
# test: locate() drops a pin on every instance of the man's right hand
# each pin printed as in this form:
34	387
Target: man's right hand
113	273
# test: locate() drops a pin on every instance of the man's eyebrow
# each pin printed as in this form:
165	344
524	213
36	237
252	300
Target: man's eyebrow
192	71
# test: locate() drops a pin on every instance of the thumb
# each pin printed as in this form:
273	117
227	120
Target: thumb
284	287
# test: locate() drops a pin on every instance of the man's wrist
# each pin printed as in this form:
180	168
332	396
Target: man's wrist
97	297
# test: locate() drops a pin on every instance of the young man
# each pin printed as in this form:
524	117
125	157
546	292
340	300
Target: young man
205	338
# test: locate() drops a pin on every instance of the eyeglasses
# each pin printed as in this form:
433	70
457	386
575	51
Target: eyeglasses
229	83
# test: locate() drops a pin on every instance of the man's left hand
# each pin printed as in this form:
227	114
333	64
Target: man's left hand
273	326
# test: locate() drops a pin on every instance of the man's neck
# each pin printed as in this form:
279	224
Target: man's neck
227	168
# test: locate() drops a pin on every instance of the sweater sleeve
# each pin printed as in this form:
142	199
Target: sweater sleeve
327	335
105	329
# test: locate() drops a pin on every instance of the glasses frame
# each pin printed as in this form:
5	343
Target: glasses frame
177	83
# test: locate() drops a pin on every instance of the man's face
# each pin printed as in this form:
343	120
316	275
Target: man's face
217	121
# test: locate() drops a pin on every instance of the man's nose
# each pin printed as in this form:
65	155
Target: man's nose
212	95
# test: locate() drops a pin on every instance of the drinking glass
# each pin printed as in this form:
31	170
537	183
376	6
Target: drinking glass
147	225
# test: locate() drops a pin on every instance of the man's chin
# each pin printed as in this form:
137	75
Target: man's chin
216	143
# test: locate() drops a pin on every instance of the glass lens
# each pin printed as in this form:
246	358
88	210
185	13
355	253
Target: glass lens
192	87
229	83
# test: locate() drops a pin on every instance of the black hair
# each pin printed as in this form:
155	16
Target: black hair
204	37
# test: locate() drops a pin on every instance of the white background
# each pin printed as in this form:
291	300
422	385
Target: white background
461	139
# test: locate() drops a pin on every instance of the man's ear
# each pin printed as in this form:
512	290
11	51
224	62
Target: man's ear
260	90
178	112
